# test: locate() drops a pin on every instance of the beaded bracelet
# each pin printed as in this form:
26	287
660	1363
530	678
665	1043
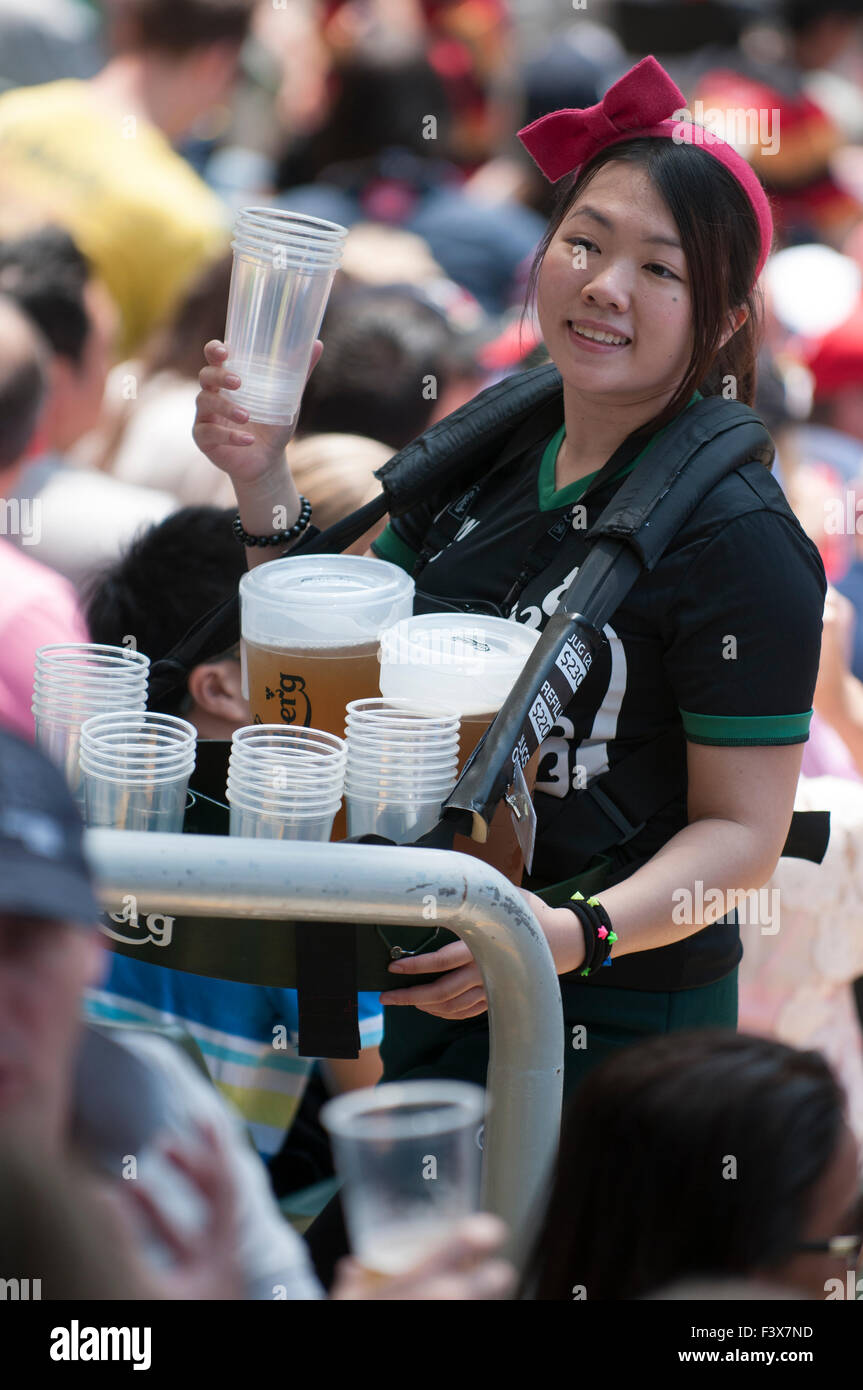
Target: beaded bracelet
598	932
278	537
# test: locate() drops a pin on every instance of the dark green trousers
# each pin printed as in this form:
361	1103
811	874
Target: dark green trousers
597	1022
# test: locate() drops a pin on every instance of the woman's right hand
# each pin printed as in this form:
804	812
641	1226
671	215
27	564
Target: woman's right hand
247	451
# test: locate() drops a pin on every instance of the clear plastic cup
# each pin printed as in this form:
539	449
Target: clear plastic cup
401	714
256	742
409	1158
310	626
74	681
88	654
135	804
135	770
299	763
123	736
284	782
276	791
283	270
401	776
401	821
250	820
468	664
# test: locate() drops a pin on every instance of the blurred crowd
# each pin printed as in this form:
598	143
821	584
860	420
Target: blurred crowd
130	133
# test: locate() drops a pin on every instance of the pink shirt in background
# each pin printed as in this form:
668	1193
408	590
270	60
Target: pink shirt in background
37	606
826	754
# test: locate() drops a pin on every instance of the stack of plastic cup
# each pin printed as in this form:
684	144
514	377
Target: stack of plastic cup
402	764
285	782
284	264
468	663
74	681
135	770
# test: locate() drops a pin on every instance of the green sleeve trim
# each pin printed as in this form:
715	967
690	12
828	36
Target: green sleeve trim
389	546
740	730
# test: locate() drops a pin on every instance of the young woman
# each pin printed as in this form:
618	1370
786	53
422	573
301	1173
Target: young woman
646	296
746	1169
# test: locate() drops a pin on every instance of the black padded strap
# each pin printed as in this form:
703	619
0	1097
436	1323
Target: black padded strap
327	1002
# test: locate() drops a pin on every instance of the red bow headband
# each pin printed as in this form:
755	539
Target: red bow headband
639	104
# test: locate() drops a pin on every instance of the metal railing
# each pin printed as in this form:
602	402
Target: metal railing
379	885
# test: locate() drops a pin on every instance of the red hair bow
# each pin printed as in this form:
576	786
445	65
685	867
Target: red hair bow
638	101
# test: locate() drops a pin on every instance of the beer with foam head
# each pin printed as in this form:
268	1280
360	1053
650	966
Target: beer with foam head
310	627
469	663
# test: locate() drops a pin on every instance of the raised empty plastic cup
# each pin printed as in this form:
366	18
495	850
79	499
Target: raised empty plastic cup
283	270
310	626
409	1158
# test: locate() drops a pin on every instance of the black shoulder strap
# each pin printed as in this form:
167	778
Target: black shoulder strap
708	440
449	520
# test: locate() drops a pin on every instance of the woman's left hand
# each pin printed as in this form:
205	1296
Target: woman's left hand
461	993
458	994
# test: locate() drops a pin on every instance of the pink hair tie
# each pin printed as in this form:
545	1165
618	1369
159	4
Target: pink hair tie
641	103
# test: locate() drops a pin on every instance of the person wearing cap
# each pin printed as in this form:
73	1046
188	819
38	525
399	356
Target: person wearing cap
108	1105
647	298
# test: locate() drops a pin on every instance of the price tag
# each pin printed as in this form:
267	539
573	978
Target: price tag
523	815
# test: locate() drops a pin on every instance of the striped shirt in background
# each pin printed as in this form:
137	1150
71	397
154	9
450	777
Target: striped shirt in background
247	1035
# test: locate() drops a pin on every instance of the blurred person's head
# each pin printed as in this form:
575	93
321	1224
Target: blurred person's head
835	360
336	473
666	26
166	580
706	1154
199	317
50	279
388	370
185	54
382	100
58	1228
820	29
675	275
49	946
24	366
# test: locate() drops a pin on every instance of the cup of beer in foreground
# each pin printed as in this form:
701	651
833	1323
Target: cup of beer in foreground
470	664
410	1160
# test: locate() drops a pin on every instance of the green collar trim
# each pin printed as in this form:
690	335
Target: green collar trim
550	498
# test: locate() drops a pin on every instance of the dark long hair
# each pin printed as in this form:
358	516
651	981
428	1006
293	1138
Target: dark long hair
687	1155
721	243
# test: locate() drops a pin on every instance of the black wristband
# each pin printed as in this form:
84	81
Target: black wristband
598	932
278	537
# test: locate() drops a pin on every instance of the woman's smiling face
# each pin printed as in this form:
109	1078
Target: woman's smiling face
616	268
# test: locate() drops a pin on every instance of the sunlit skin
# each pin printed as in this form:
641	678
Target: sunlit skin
615	263
44	967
